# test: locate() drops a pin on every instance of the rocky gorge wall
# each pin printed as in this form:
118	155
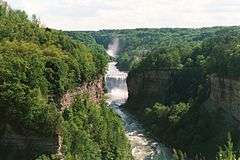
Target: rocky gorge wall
24	147
94	89
146	85
155	84
225	94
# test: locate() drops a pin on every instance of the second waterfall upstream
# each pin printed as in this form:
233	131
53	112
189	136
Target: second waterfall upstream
143	148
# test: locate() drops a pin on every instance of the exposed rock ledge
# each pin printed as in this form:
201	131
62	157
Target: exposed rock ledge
94	89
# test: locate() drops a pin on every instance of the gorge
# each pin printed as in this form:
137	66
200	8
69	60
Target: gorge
124	94
143	147
184	93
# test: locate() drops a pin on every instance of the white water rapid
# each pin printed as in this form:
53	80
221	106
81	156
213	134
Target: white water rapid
143	148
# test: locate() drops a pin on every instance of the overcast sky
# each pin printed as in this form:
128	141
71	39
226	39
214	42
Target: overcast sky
119	14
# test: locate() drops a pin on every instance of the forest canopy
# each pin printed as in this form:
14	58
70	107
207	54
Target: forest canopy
136	44
37	65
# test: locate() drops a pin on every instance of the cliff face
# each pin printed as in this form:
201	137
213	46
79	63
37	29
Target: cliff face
16	146
146	85
19	146
225	93
94	89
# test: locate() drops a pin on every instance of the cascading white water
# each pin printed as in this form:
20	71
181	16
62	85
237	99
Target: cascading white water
117	89
143	148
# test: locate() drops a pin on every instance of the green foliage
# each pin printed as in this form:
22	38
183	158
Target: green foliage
196	130
180	118
158	111
223	53
24	88
37	65
99	55
94	132
161	117
161	59
179	155
177	112
138	43
228	152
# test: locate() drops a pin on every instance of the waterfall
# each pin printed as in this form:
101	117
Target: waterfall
116	84
143	148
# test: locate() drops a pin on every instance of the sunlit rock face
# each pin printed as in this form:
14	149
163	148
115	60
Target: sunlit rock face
94	89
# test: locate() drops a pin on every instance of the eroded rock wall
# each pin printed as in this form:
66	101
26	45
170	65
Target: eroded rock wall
225	93
148	85
94	89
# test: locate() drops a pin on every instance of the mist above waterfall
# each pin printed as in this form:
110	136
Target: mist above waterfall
113	47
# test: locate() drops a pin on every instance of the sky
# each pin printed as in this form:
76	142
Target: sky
127	14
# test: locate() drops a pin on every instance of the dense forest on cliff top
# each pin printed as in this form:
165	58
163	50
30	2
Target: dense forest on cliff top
135	44
37	66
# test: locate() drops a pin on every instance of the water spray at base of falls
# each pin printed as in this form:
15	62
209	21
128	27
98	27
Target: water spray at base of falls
143	148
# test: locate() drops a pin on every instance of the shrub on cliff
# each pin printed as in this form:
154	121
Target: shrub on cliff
162	118
227	152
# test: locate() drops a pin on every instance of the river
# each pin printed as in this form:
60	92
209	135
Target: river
143	147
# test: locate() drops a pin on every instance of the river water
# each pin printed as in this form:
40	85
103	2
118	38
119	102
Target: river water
143	148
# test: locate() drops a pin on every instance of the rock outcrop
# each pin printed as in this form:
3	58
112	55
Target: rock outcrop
94	89
225	93
22	147
154	84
